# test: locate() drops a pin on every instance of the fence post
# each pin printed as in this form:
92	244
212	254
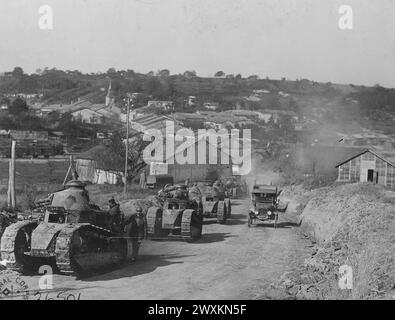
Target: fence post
11	179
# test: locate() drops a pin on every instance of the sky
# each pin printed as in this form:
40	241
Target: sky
270	38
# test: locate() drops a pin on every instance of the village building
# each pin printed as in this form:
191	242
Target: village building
269	114
28	135
98	166
191	101
45	111
161	105
82	109
152	121
368	166
192	171
88	116
213	106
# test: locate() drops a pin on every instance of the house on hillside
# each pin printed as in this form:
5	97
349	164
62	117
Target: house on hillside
98	167
152	121
213	106
88	116
268	114
19	135
368	166
161	105
191	101
4	106
45	111
97	113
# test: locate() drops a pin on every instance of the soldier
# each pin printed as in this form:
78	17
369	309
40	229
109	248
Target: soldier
194	193
115	216
135	229
218	191
143	179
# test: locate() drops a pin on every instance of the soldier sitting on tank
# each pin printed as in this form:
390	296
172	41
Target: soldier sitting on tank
180	192
115	216
195	195
218	191
166	191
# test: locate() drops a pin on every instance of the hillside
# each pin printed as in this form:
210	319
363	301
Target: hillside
353	225
325	102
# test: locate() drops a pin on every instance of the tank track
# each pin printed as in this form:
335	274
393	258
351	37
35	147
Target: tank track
186	230
8	242
64	258
151	221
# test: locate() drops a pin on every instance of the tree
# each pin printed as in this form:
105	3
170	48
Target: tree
111	71
287	128
17	72
135	157
18	106
190	74
219	74
163	73
153	86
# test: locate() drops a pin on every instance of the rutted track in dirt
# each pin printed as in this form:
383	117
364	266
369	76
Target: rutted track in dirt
231	261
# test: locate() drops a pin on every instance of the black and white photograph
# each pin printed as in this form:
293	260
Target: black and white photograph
203	157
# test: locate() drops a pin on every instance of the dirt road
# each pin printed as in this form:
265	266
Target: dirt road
230	262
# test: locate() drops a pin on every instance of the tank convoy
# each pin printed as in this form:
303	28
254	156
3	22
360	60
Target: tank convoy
77	238
74	235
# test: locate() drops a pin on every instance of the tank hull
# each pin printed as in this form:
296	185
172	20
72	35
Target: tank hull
73	249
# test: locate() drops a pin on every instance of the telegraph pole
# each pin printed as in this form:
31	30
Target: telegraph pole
127	143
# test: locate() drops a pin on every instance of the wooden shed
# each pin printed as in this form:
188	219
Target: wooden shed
98	166
368	166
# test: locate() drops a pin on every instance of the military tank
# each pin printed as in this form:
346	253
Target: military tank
177	217
74	236
215	206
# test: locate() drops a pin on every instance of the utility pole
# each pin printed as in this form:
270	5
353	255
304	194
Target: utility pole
125	188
